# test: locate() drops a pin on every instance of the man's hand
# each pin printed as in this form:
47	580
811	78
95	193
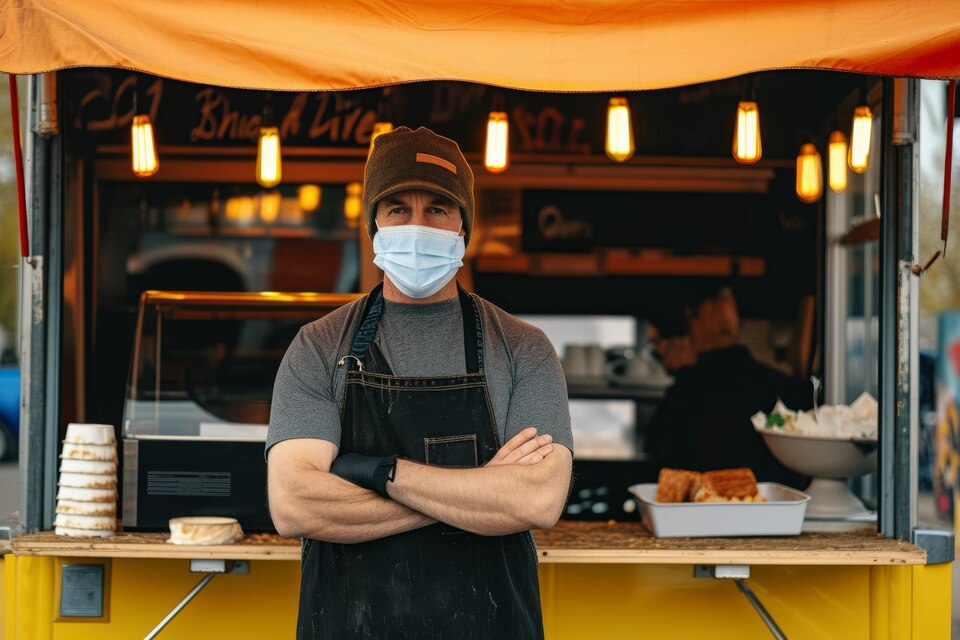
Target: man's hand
524	486
524	448
676	353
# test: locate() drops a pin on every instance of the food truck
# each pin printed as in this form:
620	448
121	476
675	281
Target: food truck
192	188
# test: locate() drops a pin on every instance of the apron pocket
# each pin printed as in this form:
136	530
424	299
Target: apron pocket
451	451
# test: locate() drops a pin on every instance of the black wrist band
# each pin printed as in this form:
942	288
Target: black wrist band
386	471
369	472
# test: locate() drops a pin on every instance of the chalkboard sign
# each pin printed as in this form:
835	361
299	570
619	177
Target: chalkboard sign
101	104
691	223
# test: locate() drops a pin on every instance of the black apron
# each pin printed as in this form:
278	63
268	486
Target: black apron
435	581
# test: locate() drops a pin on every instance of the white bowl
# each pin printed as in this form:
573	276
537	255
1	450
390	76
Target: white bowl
828	461
822	457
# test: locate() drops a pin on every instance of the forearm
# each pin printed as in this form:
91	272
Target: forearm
319	505
492	500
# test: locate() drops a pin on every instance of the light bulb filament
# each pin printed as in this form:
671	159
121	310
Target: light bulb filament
496	156
619	145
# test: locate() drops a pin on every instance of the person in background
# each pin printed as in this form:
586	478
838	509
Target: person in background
418	434
703	422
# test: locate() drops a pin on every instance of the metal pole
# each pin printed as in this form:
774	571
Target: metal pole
887	377
767	618
33	351
186	600
54	315
895	376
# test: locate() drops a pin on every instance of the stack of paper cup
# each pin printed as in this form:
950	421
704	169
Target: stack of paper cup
87	494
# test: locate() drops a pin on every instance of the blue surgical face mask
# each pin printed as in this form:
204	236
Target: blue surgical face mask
419	260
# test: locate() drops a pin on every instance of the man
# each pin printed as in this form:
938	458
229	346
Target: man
703	422
419	433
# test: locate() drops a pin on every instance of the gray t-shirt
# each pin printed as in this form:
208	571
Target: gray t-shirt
524	376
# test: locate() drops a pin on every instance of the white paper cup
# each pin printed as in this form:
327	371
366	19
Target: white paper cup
96	523
92	467
73	451
88	481
76	508
82	533
87	495
85	433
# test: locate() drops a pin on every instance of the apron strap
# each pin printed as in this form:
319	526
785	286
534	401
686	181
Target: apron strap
472	328
472	331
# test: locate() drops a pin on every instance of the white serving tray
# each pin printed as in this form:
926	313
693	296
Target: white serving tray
781	515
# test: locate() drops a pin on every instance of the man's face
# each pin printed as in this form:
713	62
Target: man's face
419	207
716	323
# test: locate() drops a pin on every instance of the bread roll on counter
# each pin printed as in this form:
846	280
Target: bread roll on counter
204	531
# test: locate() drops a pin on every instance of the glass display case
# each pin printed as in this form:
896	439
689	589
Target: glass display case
198	401
614	387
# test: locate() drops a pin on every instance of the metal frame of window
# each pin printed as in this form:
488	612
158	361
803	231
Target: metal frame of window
898	309
42	277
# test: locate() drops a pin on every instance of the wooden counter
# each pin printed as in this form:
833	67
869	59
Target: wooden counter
568	542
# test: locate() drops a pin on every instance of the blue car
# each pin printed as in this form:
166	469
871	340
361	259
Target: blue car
9	411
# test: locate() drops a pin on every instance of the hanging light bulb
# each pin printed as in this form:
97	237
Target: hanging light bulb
619	130
809	174
379	128
746	136
268	157
859	154
352	204
144	147
838	161
496	155
308	196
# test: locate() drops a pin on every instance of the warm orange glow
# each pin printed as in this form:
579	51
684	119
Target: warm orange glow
268	157
838	161
352	204
379	128
240	209
809	174
309	196
144	147
859	154
619	145
270	206
496	156
746	136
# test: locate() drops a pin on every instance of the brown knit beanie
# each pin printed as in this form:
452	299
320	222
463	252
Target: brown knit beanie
405	160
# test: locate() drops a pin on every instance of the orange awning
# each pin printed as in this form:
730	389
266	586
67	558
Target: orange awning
580	45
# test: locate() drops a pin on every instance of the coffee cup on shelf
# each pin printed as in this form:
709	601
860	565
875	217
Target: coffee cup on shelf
596	360
583	361
575	360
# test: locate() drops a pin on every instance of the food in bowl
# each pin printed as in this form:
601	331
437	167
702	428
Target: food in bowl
857	421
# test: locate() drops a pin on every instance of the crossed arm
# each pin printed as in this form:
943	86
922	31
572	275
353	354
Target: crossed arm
524	486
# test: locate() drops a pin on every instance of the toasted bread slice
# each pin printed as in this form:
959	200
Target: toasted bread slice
704	491
674	485
733	483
